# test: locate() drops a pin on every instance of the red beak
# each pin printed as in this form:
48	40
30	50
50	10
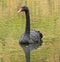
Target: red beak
19	10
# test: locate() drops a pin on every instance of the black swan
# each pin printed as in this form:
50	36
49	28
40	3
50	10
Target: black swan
29	36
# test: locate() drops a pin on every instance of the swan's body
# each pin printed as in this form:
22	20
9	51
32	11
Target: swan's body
34	37
29	36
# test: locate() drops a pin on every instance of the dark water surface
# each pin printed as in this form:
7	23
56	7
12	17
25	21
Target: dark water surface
28	48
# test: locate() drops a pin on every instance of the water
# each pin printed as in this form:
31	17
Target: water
28	48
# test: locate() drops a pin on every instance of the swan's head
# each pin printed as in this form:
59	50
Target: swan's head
24	8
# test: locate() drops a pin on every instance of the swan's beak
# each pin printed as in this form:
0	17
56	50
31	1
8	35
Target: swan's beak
19	10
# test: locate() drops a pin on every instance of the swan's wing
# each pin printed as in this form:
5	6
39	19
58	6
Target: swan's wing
34	36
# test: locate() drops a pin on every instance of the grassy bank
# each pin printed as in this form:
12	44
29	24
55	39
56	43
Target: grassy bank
12	26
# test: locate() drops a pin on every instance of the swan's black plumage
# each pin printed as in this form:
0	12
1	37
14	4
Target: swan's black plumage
29	36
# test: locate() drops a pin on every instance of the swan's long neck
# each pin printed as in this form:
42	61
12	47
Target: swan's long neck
27	29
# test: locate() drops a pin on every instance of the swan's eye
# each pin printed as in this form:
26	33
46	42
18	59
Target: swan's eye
24	8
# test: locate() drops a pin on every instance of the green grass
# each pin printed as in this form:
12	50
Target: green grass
12	26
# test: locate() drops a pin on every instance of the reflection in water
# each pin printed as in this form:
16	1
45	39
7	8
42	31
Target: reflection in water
28	48
27	52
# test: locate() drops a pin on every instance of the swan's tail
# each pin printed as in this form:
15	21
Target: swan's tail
41	35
